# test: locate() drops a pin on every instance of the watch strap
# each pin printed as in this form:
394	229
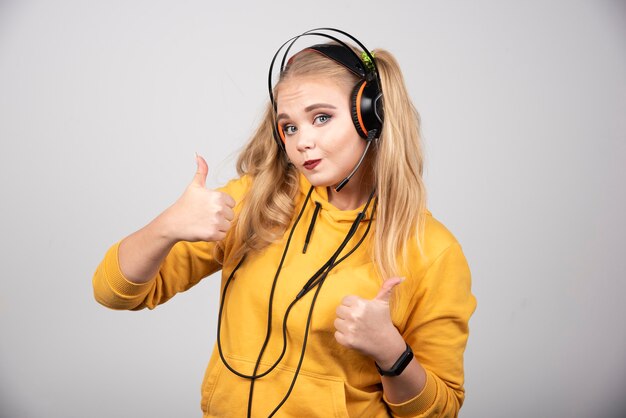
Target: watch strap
400	364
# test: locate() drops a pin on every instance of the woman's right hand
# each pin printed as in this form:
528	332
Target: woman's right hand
200	214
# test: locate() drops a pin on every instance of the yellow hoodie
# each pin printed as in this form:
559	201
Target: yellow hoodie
432	309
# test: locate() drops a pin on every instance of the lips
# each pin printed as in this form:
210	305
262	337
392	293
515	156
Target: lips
311	164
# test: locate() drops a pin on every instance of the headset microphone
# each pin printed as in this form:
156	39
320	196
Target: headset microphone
370	136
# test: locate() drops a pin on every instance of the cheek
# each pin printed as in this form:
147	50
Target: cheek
292	153
346	144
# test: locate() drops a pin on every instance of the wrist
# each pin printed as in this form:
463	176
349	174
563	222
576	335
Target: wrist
399	365
391	353
163	229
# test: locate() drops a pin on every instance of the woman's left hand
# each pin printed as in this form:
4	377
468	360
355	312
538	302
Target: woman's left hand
365	325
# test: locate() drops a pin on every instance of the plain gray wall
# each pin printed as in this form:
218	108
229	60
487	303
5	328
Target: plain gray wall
103	104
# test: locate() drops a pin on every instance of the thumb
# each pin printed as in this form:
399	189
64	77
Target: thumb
199	178
384	294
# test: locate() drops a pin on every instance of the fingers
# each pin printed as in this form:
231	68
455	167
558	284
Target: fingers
223	202
350	300
342	312
229	201
341	333
201	214
387	288
341	339
199	178
362	324
223	205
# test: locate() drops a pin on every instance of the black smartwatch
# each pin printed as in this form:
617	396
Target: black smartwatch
400	364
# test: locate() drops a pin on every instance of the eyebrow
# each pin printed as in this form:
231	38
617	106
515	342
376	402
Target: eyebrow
308	109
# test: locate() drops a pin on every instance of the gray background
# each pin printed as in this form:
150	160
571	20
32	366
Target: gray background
103	104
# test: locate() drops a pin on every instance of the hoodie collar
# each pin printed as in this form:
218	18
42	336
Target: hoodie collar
320	195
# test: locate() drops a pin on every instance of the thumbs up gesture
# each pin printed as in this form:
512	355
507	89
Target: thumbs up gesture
200	214
365	325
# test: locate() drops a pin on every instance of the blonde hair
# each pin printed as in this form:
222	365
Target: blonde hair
397	161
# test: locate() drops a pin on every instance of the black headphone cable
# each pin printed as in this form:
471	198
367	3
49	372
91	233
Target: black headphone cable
315	280
317	283
269	319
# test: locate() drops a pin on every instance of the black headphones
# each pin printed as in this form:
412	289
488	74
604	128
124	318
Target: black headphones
366	98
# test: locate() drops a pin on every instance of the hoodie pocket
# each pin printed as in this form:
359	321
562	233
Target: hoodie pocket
226	395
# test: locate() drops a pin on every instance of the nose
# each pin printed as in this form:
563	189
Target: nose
305	139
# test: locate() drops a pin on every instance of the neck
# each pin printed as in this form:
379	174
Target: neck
352	196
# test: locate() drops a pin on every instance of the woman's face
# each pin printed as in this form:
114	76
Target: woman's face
320	138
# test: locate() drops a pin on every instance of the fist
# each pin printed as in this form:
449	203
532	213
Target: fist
365	324
200	214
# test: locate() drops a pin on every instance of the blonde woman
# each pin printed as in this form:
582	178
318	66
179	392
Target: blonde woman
341	295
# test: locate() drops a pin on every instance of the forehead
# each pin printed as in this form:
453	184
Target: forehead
300	91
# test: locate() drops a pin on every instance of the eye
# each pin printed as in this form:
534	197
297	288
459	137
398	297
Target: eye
321	119
289	129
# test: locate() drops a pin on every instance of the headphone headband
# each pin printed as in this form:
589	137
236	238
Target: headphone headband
316	32
341	56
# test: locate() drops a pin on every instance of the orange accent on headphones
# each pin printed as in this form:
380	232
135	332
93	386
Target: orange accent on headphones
358	107
281	133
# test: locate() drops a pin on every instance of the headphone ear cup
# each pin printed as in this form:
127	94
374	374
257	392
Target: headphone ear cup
355	108
281	134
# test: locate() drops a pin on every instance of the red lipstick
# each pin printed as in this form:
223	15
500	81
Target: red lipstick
311	164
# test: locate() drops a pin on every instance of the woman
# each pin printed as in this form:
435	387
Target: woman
341	294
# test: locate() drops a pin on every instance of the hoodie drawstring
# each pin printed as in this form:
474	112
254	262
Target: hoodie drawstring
318	206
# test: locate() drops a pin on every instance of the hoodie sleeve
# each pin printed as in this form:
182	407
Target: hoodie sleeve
436	328
186	264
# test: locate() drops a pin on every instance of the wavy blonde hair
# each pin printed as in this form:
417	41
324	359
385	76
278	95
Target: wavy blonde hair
396	159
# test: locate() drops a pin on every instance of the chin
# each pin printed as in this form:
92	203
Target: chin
318	180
